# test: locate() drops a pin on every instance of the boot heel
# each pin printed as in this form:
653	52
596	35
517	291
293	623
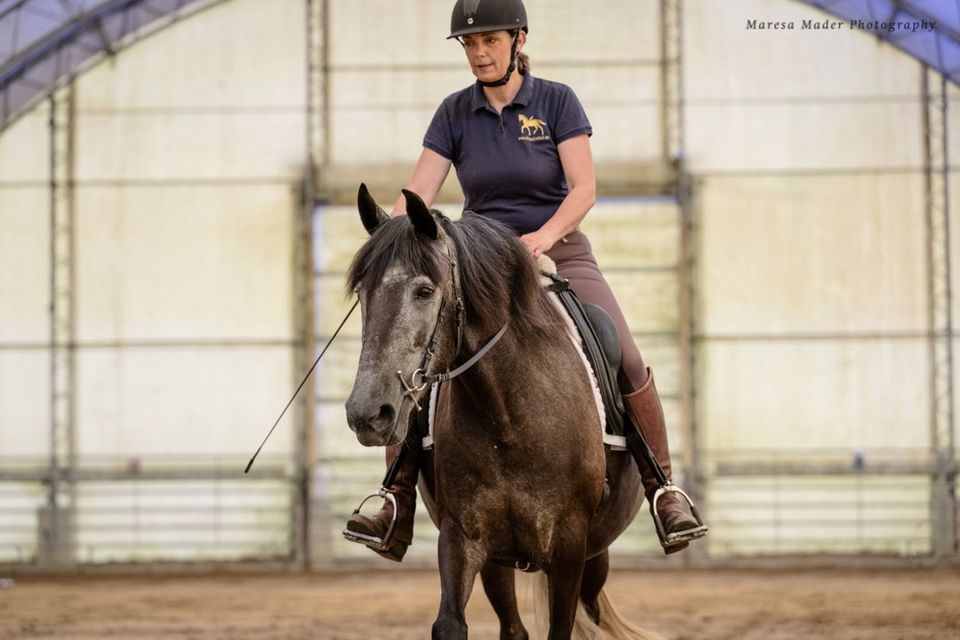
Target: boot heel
677	540
377	543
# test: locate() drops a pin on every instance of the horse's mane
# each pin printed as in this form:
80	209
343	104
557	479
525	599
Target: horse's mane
498	277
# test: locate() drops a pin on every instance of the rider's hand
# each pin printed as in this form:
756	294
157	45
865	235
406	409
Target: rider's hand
539	242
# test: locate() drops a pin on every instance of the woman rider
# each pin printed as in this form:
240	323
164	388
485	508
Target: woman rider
522	152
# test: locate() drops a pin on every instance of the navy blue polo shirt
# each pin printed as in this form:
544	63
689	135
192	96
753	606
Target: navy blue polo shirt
507	163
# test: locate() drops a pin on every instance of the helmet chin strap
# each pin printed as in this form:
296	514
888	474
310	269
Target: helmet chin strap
513	65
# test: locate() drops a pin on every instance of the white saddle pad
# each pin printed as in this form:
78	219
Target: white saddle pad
616	442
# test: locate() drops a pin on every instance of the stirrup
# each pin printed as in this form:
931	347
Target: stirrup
678	539
374	542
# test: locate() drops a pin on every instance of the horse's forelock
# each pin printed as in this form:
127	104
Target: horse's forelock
498	279
395	244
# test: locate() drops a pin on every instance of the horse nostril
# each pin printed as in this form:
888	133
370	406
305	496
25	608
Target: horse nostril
387	413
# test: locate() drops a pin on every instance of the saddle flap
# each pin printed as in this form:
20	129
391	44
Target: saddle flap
607	335
599	337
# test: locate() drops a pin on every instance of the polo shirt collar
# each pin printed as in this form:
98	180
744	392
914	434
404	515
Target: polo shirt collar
522	99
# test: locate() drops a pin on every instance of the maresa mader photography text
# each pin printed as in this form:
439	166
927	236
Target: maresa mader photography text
832	25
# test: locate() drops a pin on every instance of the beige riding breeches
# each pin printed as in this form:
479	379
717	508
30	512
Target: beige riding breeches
575	262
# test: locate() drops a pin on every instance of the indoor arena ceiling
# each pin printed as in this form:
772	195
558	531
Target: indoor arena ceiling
937	46
42	42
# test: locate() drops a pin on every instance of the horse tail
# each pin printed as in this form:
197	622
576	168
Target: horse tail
613	626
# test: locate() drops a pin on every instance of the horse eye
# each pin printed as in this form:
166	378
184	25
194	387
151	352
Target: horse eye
424	292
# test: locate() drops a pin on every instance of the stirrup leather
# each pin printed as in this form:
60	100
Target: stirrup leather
374	542
676	538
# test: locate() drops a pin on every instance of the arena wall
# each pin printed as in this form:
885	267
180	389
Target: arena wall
811	424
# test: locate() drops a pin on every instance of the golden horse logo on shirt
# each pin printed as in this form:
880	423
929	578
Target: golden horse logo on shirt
532	129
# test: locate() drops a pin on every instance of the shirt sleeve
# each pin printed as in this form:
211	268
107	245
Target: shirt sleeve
439	136
571	119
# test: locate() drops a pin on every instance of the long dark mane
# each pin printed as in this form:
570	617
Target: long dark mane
498	278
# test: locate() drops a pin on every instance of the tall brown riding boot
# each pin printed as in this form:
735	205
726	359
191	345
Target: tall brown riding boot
680	525
375	531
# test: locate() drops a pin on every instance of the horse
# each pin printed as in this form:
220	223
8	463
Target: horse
530	125
518	477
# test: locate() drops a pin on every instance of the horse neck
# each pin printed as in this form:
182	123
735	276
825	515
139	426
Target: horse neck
498	385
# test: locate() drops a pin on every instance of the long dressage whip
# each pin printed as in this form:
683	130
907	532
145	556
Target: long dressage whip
303	382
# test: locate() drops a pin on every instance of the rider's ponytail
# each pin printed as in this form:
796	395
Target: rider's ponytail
522	59
523	63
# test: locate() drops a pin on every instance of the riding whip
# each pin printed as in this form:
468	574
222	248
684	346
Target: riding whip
302	382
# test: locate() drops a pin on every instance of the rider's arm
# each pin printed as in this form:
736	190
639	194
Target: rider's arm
577	162
428	176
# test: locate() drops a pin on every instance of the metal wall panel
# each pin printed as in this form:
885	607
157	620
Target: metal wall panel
181	400
745	138
819	515
18	504
188	151
391	68
183	520
955	262
852	395
23	147
813	396
237	55
812	255
797	99
726	60
24	410
24	264
24	300
807	149
217	260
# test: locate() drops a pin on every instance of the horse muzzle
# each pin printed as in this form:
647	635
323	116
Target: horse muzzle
373	426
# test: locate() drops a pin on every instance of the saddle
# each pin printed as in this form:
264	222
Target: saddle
601	345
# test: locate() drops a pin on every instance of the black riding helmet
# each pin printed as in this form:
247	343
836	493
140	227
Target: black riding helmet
481	16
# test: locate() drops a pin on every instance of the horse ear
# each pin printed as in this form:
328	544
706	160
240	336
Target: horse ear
371	214
419	213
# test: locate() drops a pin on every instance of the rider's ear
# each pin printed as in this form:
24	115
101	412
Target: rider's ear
419	214
371	214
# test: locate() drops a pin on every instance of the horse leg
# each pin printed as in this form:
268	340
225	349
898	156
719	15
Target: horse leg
499	585
459	562
594	577
564	577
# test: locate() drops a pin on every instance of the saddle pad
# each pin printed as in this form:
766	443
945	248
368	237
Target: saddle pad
616	442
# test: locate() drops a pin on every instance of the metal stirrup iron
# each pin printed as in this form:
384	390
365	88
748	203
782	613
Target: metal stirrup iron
677	537
666	486
374	542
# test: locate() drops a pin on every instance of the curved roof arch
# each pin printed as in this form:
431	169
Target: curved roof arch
893	21
43	42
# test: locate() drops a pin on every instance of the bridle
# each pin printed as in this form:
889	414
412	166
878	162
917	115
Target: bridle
420	379
415	386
